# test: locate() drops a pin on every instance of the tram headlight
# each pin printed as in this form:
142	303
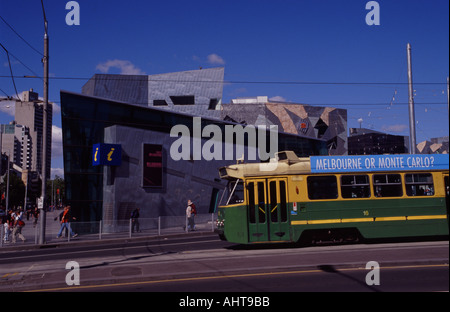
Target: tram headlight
220	223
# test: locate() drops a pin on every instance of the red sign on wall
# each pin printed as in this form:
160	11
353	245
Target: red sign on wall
152	165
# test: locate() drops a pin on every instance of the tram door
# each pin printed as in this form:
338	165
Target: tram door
277	210
267	210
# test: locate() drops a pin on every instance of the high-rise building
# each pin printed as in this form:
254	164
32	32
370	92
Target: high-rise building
28	137
16	143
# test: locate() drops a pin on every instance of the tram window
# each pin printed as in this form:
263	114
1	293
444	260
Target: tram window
261	203
251	202
387	185
355	186
283	207
322	187
419	184
236	196
273	201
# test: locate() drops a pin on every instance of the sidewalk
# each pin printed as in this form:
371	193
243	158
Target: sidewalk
100	231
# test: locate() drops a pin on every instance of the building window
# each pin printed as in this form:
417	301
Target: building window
159	103
355	186
213	104
322	187
183	100
419	184
387	185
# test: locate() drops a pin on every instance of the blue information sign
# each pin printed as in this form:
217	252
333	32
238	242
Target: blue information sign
106	154
323	164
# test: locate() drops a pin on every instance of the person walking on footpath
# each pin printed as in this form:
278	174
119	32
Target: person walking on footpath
191	212
18	224
135	220
7	225
65	219
35	216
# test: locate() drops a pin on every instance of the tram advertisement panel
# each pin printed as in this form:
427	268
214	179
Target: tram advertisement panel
324	164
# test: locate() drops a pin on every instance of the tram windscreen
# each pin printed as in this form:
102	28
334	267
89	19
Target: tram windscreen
235	192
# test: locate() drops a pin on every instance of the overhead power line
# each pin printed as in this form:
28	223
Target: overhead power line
23	64
23	39
10	69
127	78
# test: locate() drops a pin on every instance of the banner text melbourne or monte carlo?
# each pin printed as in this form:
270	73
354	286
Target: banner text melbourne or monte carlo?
323	164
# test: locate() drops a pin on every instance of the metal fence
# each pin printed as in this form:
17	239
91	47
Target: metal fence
99	230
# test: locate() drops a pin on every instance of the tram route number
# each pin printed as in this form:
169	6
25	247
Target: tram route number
240	301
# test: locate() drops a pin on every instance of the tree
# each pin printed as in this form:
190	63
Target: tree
16	191
58	190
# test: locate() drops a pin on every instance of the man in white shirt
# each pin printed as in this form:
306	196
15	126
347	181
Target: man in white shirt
18	225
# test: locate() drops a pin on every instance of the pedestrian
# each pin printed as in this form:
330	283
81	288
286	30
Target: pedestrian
35	216
191	212
65	222
60	216
135	220
18	224
7	225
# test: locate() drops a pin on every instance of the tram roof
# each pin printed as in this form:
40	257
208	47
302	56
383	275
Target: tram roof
285	162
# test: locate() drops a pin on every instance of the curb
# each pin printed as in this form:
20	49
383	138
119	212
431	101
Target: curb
106	241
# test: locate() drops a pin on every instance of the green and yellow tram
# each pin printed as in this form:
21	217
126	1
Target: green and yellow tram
335	198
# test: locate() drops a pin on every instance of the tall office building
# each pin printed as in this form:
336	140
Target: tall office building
30	114
16	143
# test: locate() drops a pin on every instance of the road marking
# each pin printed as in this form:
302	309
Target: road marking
187	279
10	274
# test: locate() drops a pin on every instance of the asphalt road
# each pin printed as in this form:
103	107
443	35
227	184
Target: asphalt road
203	263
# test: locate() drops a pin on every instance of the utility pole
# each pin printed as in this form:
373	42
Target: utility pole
448	97
412	118
44	131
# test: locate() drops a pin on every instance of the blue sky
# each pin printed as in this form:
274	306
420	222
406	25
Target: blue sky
262	44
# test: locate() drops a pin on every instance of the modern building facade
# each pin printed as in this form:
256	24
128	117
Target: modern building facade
314	122
163	125
364	141
109	193
196	92
434	146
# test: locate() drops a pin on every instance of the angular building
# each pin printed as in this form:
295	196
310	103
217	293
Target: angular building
163	125
314	122
196	92
434	146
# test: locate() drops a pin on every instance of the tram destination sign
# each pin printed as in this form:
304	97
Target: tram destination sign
323	164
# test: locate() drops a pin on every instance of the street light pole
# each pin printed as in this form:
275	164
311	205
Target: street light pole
44	131
412	118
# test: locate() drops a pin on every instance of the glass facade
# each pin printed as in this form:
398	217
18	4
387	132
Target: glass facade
84	119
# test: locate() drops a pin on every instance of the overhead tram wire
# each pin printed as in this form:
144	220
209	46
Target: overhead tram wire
23	39
242	82
10	69
117	77
35	75
7	95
